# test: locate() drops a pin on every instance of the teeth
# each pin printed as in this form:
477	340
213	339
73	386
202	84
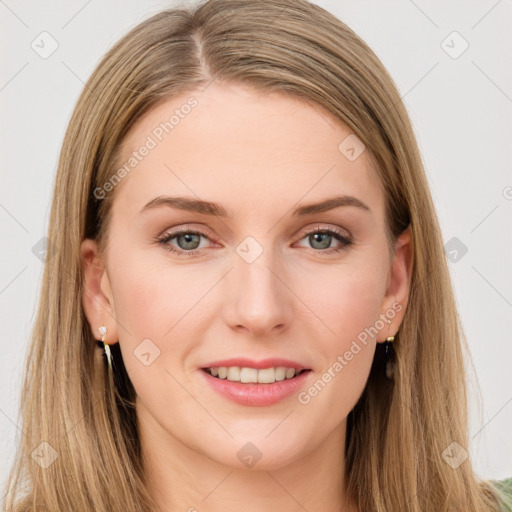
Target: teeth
249	375
290	372
267	376
253	375
233	373
280	373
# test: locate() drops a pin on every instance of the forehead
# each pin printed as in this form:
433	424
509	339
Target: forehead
242	147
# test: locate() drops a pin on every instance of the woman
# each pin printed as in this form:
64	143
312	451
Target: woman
244	224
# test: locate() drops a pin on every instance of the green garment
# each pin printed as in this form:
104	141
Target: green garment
505	486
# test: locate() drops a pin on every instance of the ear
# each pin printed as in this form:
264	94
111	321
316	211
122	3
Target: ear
97	296
396	298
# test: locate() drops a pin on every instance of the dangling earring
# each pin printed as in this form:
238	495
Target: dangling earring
390	367
103	331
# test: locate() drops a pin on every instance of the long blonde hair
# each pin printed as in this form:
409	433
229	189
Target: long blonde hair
398	430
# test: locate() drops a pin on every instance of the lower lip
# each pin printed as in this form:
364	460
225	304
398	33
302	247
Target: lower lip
256	395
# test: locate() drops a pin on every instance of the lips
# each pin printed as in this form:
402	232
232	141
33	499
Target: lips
257	395
261	364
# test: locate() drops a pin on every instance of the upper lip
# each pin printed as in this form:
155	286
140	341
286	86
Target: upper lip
243	362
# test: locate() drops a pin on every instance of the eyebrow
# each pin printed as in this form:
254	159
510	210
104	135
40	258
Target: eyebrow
209	208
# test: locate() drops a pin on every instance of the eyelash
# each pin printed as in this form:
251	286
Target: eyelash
338	235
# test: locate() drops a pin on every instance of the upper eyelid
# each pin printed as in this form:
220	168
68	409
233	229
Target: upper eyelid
204	232
201	231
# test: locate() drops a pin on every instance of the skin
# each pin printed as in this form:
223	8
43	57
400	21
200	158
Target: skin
260	156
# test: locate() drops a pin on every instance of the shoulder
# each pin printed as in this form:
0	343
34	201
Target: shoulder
505	487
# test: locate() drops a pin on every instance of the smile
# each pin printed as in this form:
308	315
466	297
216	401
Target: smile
253	392
248	375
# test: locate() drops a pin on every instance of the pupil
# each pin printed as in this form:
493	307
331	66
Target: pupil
188	238
320	235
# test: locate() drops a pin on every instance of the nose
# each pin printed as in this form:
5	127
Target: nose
258	299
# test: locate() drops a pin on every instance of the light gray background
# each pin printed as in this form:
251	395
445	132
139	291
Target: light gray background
460	108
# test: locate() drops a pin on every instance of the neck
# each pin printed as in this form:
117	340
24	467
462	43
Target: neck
180	478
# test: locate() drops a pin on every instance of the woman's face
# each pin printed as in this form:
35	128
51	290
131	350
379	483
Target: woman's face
186	288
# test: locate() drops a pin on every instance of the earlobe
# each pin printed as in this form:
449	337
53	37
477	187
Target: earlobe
97	296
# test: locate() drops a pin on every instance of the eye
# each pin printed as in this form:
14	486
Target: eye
188	241
322	238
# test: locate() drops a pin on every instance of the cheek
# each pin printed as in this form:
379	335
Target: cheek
151	305
347	300
158	306
150	300
349	309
